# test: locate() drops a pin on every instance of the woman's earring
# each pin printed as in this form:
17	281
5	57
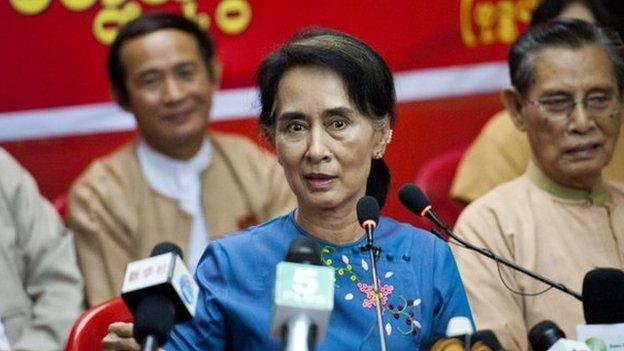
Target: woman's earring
379	153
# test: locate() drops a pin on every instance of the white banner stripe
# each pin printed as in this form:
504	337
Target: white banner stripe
242	103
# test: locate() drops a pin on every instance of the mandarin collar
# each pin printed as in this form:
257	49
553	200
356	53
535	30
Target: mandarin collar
597	195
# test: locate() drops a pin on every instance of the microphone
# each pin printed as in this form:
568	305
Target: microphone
486	340
159	291
460	336
368	212
368	216
603	306
303	297
457	330
459	325
417	202
547	336
603	296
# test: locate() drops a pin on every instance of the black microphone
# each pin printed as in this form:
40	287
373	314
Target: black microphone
159	291
417	202
603	296
368	212
486	340
544	335
368	215
547	336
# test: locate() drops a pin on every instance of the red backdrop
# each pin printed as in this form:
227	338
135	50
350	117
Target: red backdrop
54	54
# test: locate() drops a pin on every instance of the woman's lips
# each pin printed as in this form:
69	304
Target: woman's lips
319	181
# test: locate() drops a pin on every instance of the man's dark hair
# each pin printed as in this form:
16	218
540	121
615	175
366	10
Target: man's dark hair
551	9
561	33
365	74
148	23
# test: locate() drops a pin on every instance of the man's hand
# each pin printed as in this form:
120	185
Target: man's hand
120	338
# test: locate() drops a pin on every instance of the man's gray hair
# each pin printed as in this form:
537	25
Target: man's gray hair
561	33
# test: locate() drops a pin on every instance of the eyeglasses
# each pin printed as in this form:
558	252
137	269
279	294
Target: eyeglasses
558	108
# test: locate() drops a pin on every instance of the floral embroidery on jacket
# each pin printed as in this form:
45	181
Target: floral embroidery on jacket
346	268
370	299
399	311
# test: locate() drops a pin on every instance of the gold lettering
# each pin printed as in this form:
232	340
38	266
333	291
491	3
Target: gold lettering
189	10
30	7
468	37
155	2
78	5
524	9
507	28
109	19
485	17
233	16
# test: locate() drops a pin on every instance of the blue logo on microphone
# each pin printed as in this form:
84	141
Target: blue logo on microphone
187	289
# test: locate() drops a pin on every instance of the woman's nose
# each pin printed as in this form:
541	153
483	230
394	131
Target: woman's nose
318	150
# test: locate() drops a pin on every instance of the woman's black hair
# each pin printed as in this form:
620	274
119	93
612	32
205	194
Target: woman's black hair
366	76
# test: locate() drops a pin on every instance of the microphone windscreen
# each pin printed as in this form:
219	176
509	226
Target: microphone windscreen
367	210
304	250
459	325
603	296
166	247
154	315
413	198
545	334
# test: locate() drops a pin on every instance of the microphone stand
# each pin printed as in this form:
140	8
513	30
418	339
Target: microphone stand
149	344
374	255
485	252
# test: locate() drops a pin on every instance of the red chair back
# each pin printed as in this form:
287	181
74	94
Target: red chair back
60	204
91	327
435	178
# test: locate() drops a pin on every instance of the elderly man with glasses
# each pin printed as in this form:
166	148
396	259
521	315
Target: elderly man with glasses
560	218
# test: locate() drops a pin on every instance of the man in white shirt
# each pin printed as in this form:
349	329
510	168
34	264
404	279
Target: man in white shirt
177	182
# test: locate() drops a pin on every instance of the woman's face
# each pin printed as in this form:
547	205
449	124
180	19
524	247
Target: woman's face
323	142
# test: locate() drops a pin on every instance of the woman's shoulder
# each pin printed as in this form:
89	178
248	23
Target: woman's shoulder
268	235
406	235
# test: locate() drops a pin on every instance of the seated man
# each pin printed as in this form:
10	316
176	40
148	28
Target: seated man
176	182
559	218
41	293
502	148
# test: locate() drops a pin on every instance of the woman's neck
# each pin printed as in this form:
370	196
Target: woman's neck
334	226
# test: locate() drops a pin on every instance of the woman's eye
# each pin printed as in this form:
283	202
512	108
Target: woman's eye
339	124
295	127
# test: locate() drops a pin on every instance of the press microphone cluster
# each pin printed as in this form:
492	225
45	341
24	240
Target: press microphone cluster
417	202
159	291
303	297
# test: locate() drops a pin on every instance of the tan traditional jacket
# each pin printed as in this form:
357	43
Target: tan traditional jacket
118	217
559	232
501	153
41	287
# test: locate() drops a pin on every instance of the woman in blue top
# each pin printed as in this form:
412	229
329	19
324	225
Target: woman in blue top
328	106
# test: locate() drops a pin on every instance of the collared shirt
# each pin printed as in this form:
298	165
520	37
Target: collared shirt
554	230
598	195
180	180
